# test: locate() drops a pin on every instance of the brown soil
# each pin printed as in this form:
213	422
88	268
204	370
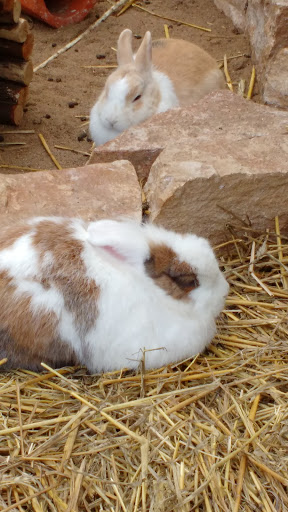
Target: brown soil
66	80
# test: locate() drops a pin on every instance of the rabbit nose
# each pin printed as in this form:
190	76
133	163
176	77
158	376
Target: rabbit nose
110	122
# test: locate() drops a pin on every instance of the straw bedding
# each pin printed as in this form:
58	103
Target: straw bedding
209	434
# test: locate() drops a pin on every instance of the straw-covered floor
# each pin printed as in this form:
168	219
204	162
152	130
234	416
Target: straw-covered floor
209	434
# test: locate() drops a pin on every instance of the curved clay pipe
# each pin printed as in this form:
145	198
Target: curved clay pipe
62	13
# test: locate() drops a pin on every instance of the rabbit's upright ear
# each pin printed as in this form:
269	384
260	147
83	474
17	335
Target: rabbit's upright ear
143	58
122	240
124	49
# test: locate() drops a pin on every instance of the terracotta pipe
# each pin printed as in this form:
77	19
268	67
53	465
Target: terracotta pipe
58	13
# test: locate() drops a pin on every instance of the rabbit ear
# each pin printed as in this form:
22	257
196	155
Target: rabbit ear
124	49
122	240
143	58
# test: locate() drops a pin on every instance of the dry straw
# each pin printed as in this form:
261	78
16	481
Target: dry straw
209	434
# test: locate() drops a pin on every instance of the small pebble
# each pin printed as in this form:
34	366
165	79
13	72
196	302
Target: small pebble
47	116
83	118
82	135
137	36
76	50
72	104
53	45
1	138
58	80
89	140
50	79
100	56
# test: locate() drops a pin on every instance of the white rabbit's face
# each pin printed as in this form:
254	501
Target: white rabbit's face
128	99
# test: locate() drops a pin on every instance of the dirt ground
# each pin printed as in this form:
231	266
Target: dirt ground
67	80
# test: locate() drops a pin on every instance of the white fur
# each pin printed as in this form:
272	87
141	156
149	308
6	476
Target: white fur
42	300
134	314
20	259
123	239
144	316
168	96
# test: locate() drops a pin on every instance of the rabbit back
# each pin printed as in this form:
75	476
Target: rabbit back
192	71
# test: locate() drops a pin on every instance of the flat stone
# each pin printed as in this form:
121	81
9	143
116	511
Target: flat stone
91	192
222	161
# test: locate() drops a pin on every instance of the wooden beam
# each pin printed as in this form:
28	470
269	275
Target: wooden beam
16	33
10	11
18	50
10	114
16	70
6	5
11	92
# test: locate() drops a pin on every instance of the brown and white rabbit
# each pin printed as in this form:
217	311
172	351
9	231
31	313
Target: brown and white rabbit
99	293
161	75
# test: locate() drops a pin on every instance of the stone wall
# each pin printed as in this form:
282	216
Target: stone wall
266	23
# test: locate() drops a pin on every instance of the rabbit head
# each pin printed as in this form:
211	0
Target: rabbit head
130	94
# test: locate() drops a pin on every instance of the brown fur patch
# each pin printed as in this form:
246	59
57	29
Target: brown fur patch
25	339
9	235
68	272
176	277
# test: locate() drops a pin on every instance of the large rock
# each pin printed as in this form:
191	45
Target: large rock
90	192
234	9
266	23
275	83
221	161
267	26
228	168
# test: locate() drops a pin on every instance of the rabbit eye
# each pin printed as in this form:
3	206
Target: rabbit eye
186	282
137	97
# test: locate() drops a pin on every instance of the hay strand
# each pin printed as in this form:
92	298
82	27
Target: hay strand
48	150
227	75
251	83
171	19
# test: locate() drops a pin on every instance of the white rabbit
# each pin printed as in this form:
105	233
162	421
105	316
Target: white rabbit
98	294
161	75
